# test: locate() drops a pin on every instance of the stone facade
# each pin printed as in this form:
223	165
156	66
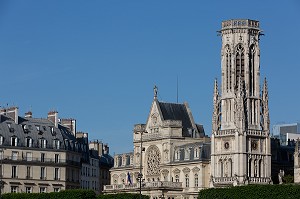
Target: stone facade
37	155
240	152
174	151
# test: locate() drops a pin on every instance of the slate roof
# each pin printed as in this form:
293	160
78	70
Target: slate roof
173	111
106	160
8	129
204	153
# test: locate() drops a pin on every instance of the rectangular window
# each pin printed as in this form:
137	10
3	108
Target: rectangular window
43	173
55	189
56	144
56	174
28	173
14	141
56	158
43	190
1	155
196	180
28	142
28	156
14	172
28	189
14	155
42	157
43	143
14	189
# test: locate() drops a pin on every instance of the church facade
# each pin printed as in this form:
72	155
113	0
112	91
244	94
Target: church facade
173	158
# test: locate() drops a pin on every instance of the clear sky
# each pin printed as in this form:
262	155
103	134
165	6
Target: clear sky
98	61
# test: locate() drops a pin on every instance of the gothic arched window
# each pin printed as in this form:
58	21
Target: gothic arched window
228	68
239	63
252	70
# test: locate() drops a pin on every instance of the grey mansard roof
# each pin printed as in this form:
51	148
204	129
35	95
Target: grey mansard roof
204	151
28	128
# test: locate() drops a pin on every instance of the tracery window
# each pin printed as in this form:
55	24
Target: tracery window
251	70
239	64
228	68
153	160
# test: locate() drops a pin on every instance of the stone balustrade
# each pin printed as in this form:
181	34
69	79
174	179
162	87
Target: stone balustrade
257	180
223	179
225	132
147	185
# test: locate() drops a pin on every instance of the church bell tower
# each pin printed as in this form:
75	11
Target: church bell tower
240	148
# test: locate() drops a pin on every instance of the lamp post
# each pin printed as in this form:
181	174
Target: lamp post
1	171
140	129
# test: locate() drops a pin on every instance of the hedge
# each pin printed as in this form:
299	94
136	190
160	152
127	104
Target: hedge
122	196
65	194
71	194
289	191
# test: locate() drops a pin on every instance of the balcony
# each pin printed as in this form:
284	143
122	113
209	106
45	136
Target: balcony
35	160
159	185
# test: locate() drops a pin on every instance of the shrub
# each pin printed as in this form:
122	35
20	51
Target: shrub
66	194
288	191
122	196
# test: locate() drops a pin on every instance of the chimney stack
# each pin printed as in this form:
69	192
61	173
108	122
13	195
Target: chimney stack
13	113
70	124
98	146
28	114
105	149
53	117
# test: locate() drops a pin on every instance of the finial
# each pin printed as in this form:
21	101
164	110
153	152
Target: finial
155	89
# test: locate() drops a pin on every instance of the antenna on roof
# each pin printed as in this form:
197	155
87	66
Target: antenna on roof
177	90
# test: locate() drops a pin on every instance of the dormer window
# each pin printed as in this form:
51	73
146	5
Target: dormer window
25	128
14	141
1	140
52	131
28	142
11	129
37	127
56	144
43	143
177	155
196	153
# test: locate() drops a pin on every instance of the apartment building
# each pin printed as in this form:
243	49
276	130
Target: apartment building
38	154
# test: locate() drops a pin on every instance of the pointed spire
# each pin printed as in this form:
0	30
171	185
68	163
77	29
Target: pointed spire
155	89
216	109
265	90
216	92
265	106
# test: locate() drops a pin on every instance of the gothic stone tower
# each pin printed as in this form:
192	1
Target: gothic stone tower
240	148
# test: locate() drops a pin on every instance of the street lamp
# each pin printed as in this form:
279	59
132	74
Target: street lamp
140	129
1	170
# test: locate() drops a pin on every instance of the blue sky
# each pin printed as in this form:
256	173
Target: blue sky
98	61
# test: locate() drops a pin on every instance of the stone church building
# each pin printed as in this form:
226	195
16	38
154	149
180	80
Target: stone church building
172	156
